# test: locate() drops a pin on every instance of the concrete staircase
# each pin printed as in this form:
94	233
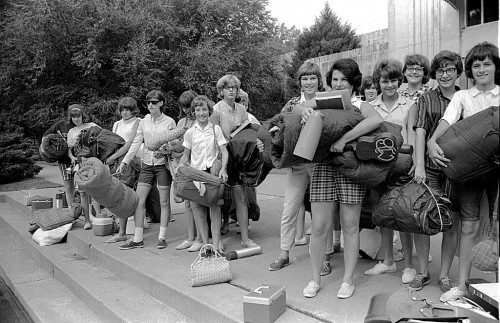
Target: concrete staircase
85	279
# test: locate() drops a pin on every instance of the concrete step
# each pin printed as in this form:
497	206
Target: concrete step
162	275
100	295
43	297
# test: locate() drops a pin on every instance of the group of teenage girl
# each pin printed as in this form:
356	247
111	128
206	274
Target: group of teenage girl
424	113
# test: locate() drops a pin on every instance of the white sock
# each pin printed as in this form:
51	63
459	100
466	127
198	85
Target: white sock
138	234
336	236
163	233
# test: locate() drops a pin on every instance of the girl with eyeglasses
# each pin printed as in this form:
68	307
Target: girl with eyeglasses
446	67
153	169
416	75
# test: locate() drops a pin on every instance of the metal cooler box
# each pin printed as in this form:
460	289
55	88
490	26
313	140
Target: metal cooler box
264	304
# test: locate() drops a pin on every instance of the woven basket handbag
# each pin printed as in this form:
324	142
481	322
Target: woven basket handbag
209	270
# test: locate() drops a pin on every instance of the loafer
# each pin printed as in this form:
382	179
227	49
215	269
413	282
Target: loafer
87	225
311	289
346	290
131	245
162	244
195	247
184	245
419	282
279	263
444	284
381	268
452	295
409	275
117	238
326	268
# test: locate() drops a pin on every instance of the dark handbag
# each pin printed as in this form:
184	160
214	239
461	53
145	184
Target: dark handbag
198	186
414	208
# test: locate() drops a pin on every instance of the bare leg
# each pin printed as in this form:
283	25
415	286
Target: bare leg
449	246
407	243
301	217
321	223
386	245
240	200
349	216
469	231
422	245
69	188
200	218
215	215
142	192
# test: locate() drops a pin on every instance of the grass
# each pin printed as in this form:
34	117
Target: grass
26	184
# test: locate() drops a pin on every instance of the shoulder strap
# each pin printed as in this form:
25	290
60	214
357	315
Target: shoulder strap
215	140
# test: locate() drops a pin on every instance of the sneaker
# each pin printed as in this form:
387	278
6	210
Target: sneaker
248	244
224	229
162	244
381	268
146	224
117	238
444	284
311	289
279	263
301	242
399	255
420	281
148	219
346	290
87	225
308	231
184	245
452	295
326	268
409	275
131	245
172	218
196	246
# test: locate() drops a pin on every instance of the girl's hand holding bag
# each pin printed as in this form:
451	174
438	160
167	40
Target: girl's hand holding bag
207	270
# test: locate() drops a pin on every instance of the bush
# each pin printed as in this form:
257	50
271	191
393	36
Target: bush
15	158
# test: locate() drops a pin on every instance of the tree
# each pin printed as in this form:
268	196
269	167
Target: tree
328	35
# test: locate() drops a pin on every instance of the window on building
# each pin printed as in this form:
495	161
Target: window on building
481	11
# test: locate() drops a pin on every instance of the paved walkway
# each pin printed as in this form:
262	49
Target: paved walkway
251	272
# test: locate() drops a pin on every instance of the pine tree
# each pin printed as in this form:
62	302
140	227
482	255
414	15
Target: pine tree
327	36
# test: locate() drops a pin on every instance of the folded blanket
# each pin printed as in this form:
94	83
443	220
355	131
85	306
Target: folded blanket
48	219
185	188
94	178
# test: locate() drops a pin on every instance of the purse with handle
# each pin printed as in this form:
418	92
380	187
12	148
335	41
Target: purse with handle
209	268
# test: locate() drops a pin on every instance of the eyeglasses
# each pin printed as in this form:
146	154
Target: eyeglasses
229	88
153	102
448	71
76	114
414	69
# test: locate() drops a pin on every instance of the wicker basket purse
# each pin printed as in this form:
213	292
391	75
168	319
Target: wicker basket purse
209	270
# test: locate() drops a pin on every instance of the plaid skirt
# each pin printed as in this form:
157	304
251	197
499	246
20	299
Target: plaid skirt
328	185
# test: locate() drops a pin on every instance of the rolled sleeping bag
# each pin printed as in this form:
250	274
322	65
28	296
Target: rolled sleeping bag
157	140
335	124
54	146
95	179
198	186
93	176
472	145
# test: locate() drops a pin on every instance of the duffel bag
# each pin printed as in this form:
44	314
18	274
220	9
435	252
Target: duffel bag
471	145
415	208
198	186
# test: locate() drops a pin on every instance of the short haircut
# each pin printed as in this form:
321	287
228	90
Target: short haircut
81	108
366	82
201	100
156	95
444	58
388	68
224	81
417	59
479	53
351	71
309	68
127	103
243	99
185	102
